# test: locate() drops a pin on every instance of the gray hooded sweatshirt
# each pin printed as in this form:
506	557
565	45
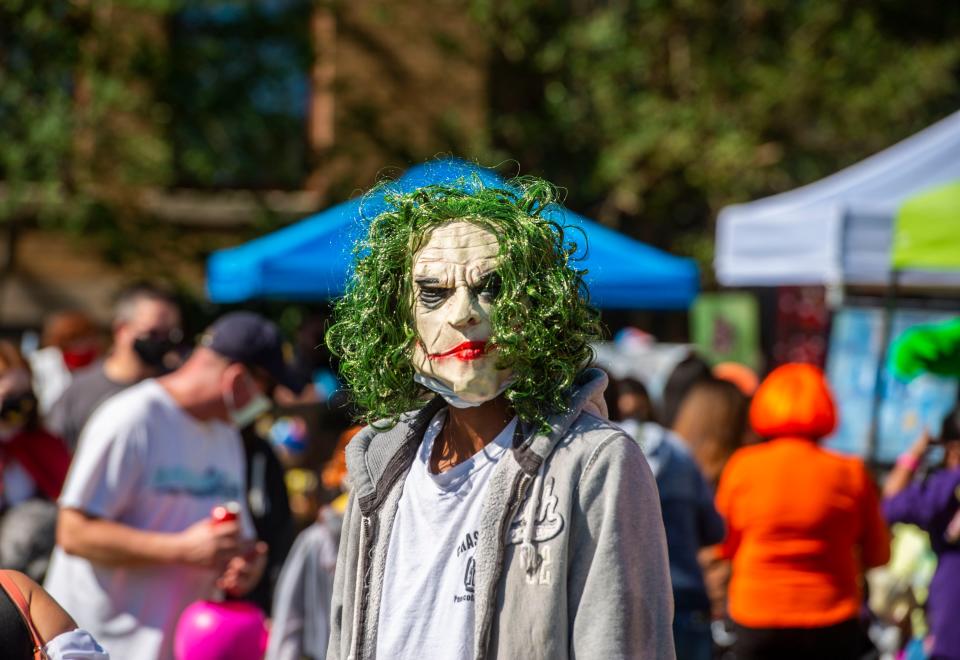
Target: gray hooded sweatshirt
571	559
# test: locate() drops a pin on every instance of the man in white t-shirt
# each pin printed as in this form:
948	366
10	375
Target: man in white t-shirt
136	543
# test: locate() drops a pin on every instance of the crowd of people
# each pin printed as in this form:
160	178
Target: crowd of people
770	535
506	501
114	455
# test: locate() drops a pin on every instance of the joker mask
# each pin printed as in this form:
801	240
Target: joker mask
454	288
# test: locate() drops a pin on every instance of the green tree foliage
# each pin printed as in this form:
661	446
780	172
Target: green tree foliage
81	134
655	114
35	102
104	104
237	83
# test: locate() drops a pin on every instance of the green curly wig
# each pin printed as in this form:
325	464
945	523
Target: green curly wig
542	320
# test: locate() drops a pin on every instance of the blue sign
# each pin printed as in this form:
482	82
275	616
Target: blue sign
905	408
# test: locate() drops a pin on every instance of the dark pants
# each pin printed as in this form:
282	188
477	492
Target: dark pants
691	635
837	642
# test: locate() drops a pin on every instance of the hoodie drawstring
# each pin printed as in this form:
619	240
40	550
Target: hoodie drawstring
359	593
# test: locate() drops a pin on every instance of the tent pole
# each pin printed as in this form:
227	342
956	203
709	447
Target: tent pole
886	329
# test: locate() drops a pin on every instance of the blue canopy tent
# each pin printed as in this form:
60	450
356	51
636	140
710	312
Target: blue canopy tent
311	259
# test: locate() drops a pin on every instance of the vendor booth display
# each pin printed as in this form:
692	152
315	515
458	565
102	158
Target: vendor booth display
926	235
802	323
889	225
845	230
311	259
904	407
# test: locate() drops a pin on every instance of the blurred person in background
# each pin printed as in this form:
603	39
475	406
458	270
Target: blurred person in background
712	420
136	542
301	609
270	509
933	504
688	372
632	401
146	329
69	342
33	466
689	517
803	524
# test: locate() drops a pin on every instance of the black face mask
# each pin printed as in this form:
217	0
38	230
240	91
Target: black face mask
151	350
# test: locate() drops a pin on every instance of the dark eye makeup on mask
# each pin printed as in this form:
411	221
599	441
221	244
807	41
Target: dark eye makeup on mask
432	295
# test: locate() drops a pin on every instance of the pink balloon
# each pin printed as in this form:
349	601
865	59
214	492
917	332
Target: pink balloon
232	630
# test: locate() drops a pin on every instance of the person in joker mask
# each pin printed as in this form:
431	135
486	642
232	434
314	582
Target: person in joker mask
494	511
136	543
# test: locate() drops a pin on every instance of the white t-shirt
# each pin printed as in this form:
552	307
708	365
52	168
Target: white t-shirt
75	645
146	463
427	608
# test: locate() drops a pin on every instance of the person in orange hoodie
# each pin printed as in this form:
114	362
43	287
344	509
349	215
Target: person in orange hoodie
802	525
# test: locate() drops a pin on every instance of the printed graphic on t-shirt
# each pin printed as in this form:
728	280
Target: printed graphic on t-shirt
464	555
469	542
179	479
469	576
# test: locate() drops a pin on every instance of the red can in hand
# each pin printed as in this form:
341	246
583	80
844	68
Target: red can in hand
226	512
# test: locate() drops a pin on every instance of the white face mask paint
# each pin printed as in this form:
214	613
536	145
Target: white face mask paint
244	416
454	290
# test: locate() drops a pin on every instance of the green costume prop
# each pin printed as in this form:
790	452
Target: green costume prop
930	348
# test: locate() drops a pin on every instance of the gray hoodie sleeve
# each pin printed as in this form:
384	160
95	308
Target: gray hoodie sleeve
620	599
344	579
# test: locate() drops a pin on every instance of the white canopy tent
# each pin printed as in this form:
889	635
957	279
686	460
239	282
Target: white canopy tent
839	230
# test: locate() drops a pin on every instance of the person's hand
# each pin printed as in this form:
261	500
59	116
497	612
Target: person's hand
244	571
209	544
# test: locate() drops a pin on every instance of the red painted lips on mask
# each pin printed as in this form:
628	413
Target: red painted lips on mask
468	350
